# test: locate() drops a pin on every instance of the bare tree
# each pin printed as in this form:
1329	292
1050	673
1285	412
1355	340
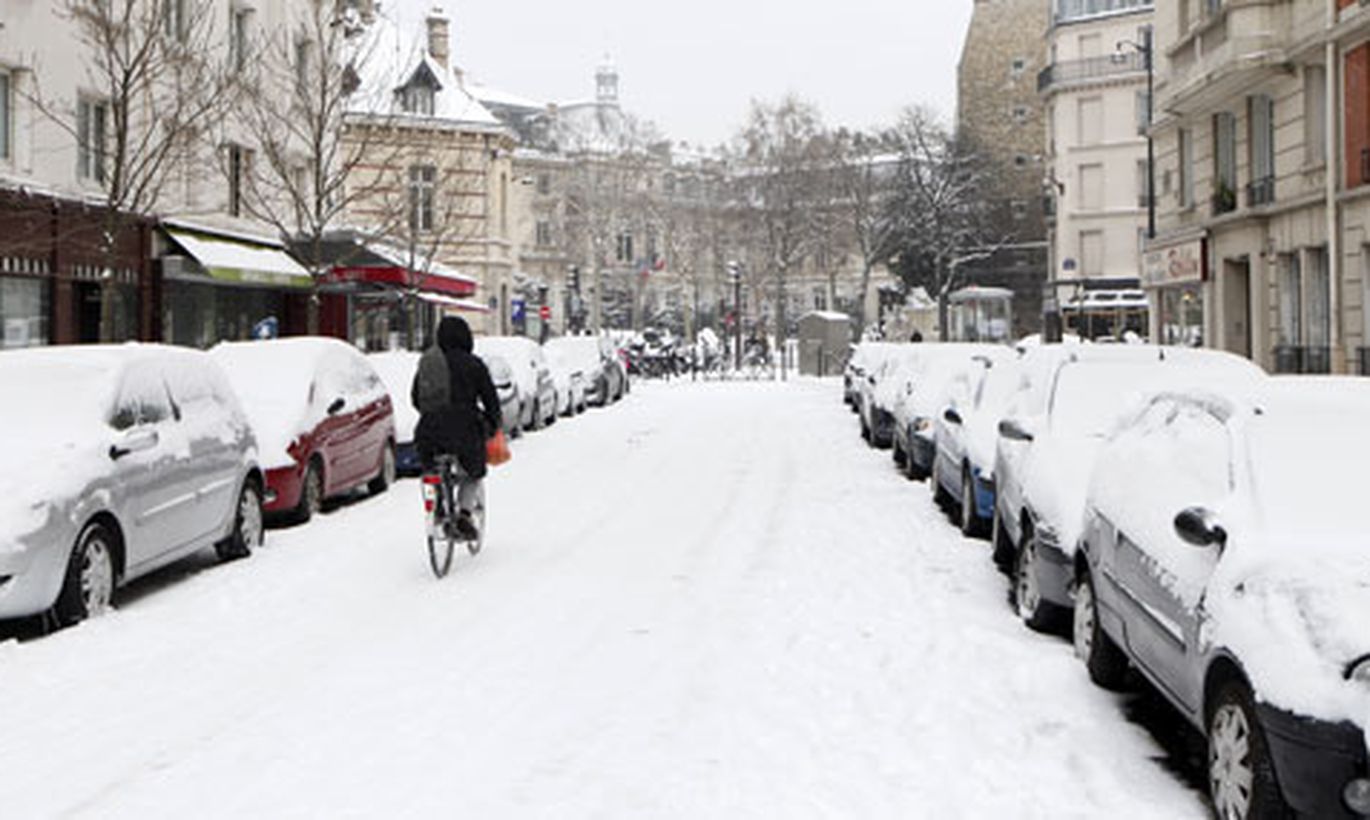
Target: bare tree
160	80
865	166
315	125
938	207
779	156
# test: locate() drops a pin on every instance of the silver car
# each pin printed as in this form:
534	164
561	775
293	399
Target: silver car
119	460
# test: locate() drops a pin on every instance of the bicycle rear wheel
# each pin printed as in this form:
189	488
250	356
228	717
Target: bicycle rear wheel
440	555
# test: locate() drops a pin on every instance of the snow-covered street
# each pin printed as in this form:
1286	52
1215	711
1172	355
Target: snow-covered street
711	600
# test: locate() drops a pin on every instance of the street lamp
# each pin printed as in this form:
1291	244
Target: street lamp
1146	48
735	271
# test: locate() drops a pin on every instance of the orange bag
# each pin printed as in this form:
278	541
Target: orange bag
497	449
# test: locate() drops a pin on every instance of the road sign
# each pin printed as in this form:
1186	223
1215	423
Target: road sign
545	313
517	309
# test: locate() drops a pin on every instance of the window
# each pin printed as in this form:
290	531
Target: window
6	109
239	166
1186	168
1143	187
301	65
1224	162
503	204
417	98
668	184
1089	126
625	247
1020	114
1143	113
238	38
1017	67
1090	45
1021	160
1290	286
1019	209
1091	187
1315	114
1091	253
544	183
422	179
90	140
544	233
174	21
1262	149
1319	288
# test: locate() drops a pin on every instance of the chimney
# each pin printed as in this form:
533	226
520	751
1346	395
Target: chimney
437	36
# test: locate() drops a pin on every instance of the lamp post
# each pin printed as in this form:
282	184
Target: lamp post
1146	48
735	271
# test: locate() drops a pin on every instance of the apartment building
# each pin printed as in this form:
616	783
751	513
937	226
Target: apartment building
1097	174
1262	166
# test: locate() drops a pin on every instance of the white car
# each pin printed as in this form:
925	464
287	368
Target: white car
1225	558
396	369
124	459
591	356
920	391
964	435
537	394
569	379
1048	439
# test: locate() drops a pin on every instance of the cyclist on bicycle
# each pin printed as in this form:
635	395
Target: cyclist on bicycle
458	410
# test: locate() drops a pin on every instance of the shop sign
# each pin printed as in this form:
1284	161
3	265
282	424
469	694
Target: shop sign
1176	264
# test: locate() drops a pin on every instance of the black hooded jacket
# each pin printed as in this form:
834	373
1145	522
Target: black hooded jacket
473	414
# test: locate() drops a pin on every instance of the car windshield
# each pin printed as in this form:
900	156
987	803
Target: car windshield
64	398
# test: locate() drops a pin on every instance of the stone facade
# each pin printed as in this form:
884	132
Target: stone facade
1000	112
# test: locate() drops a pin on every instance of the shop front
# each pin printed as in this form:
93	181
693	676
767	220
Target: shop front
218	287
376	297
1174	276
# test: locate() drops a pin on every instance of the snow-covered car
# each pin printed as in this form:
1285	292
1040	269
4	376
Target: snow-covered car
1048	440
506	388
964	434
537	393
864	357
396	369
121	460
921	397
568	378
595	359
323	417
1224	557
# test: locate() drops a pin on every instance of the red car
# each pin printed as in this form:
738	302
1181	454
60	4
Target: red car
323	418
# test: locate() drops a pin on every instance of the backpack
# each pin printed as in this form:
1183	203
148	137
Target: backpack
432	382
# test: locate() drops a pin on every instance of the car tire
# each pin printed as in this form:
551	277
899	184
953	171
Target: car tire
969	521
1003	554
1237	752
897	452
385	476
248	530
88	587
1106	663
311	492
1037	613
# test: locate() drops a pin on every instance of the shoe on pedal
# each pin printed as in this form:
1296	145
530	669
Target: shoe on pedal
466	528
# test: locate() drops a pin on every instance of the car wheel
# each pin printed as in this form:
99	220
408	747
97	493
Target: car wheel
1038	614
386	475
311	492
1241	777
247	526
897	452
1003	546
1106	663
88	588
865	431
970	522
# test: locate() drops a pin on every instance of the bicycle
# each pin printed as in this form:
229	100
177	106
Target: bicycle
440	487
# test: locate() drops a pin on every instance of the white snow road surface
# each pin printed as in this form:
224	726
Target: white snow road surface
711	600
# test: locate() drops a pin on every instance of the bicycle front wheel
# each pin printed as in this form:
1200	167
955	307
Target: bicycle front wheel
440	555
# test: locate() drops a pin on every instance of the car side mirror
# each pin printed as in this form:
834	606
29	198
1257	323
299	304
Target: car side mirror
133	441
952	416
1199	527
1014	430
337	406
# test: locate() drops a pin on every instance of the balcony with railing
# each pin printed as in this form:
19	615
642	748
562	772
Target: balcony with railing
1224	201
1260	192
1090	69
1229	48
1305	359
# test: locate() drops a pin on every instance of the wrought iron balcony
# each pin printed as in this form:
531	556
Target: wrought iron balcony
1090	68
1260	192
1305	359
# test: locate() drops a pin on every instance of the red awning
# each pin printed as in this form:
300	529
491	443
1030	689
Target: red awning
384	265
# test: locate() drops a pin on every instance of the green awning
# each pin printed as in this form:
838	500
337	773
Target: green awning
243	263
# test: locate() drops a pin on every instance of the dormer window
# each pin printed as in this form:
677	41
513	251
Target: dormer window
417	98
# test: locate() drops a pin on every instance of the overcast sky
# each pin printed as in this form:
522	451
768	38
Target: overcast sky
693	67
